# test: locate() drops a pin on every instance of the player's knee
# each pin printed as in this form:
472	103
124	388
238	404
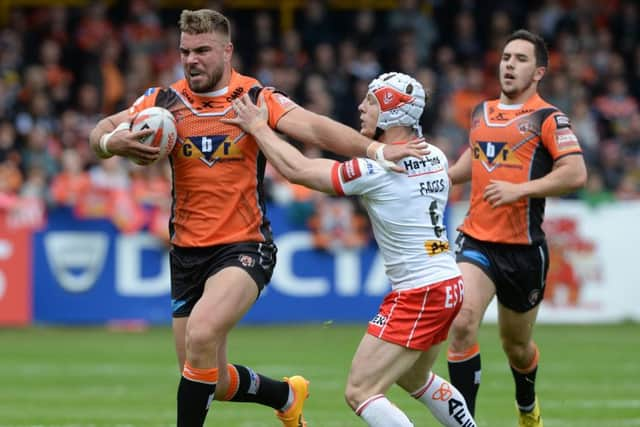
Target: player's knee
352	397
355	393
200	339
517	351
464	330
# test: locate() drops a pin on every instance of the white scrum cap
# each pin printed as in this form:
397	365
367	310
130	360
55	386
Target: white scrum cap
401	99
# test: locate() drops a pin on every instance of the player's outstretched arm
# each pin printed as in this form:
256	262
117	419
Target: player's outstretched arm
311	128
460	172
111	136
291	163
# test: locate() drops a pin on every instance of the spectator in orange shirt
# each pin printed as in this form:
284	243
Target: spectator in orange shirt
467	97
72	183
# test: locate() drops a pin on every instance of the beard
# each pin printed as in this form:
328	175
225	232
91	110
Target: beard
207	84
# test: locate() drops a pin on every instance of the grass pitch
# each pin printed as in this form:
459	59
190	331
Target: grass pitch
588	376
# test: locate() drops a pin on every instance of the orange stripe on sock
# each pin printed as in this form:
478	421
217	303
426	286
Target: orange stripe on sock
234	382
454	356
532	365
201	375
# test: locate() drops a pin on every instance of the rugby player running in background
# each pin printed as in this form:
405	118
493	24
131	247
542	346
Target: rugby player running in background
521	150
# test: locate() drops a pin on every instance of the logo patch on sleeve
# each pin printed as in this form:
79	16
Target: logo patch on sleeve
562	121
350	170
282	100
566	139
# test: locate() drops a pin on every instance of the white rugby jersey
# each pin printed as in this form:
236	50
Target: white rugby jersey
406	212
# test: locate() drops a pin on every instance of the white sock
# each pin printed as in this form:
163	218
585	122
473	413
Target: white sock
378	411
445	402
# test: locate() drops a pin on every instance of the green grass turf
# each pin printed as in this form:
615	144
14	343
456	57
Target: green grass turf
588	376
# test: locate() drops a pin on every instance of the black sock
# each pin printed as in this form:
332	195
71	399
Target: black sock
253	387
194	399
465	376
525	388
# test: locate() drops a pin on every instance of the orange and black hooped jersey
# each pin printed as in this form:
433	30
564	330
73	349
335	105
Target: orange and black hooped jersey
516	144
218	169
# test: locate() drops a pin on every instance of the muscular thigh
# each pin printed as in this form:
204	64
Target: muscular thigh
516	328
227	296
479	290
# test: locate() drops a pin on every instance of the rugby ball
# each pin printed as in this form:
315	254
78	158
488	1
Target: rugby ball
163	124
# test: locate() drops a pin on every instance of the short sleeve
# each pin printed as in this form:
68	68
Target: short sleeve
356	176
558	137
148	99
278	103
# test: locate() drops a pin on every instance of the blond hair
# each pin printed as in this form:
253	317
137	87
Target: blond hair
204	21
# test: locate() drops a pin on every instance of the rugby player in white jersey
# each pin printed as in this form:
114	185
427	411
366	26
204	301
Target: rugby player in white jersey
406	212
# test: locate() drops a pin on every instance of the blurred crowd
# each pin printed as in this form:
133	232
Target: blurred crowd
63	68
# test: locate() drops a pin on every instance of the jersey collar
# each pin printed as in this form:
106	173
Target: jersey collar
514	107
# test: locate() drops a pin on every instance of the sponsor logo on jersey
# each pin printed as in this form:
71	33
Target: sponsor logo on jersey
282	100
434	247
350	170
562	121
370	168
205	104
212	148
494	155
525	126
235	94
565	139
187	95
425	165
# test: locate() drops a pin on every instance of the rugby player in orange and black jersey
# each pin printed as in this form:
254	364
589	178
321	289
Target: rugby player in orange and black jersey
218	218
521	150
222	250
515	144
